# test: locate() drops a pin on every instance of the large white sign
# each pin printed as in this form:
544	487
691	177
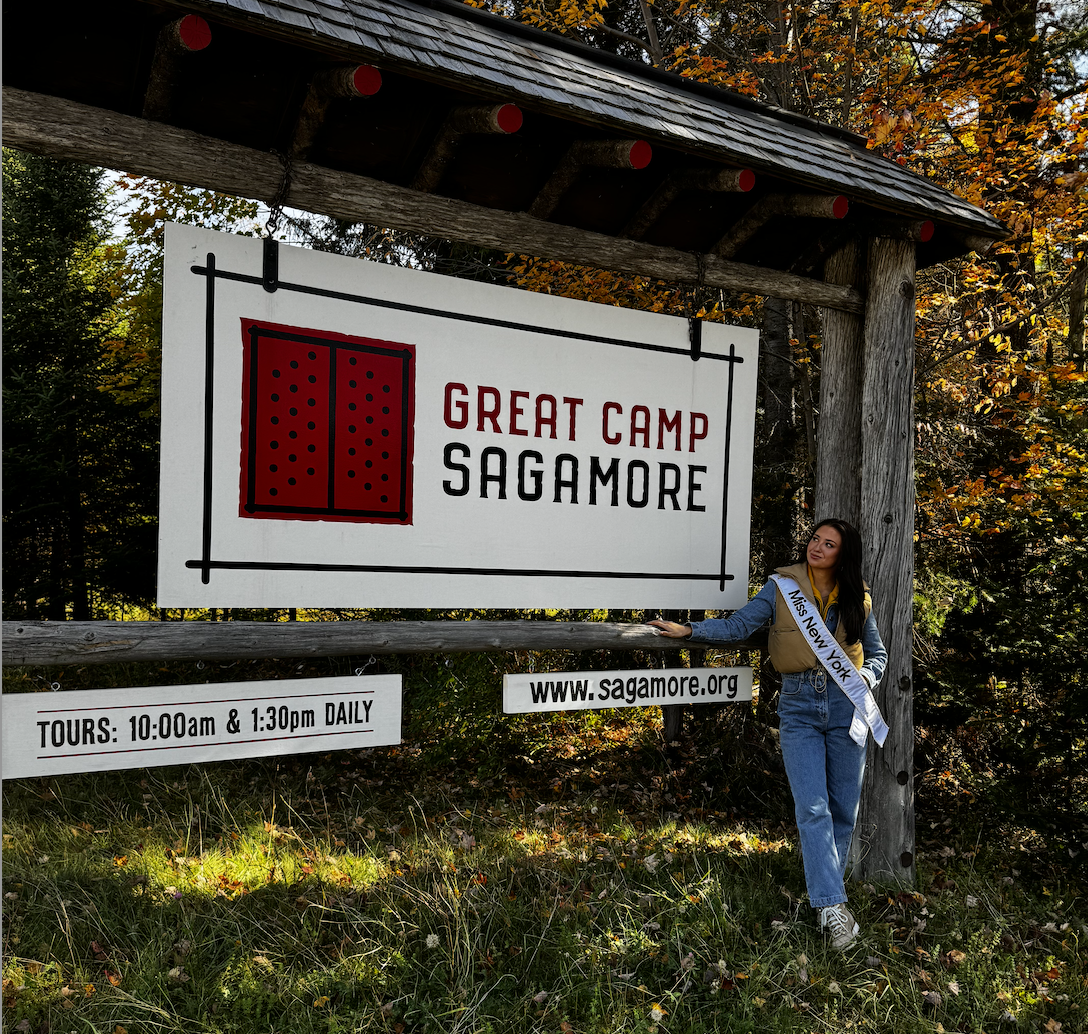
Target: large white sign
523	693
99	730
363	435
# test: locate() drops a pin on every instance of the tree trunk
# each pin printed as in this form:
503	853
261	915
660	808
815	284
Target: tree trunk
884	841
1076	313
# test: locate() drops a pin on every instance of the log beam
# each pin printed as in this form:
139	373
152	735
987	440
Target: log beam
606	154
325	87
61	128
175	42
810	206
488	119
716	180
31	643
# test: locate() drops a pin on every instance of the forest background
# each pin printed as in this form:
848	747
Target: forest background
986	98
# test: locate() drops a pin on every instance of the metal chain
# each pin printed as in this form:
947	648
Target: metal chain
275	208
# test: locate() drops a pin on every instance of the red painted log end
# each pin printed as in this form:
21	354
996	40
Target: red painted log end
366	80
194	32
510	118
641	153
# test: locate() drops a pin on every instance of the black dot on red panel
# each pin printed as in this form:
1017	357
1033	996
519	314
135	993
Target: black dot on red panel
311	402
385	432
351	473
310	471
369	441
293	411
353	360
294	387
385	410
275	373
352	384
311	425
351	429
273	445
351	452
275	397
273	491
367	486
292	457
385	477
370	463
370	420
294	364
369	397
311	448
290	481
370	374
385	388
385	498
272	467
312	379
351	406
293	434
311	355
385	455
275	420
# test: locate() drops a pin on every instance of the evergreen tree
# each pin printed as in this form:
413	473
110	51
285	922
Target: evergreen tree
79	466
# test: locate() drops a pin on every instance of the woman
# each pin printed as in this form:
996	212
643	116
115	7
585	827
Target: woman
824	761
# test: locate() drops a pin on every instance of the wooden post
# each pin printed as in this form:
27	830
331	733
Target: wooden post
838	433
884	844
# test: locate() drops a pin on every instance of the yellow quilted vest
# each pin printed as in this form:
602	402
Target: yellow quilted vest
789	646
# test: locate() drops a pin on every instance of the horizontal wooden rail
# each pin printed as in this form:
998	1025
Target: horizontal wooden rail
61	128
108	642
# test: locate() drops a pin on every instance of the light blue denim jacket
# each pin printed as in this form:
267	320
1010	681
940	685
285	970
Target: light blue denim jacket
760	611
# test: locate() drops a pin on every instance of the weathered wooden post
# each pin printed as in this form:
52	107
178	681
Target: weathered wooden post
838	451
884	842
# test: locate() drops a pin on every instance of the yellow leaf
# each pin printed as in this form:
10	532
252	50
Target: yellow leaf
320	1002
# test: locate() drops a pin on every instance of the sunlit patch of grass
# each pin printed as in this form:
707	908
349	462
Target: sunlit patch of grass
256	897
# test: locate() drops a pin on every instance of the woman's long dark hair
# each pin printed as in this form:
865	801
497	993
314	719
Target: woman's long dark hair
848	575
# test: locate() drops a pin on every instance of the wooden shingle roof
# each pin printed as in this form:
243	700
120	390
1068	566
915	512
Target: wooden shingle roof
254	85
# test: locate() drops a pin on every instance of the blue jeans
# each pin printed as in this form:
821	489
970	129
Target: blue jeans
825	768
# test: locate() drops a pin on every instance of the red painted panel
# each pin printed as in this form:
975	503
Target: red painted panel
327	426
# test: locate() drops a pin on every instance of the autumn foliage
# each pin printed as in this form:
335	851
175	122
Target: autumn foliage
987	99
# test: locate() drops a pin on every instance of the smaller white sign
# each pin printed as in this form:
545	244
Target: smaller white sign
99	730
584	690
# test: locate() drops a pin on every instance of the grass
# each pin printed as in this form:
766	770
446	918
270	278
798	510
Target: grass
600	883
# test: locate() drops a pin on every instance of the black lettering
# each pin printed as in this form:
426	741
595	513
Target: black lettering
604	477
104	730
536	476
486	475
631	468
561	482
663	489
447	460
693	487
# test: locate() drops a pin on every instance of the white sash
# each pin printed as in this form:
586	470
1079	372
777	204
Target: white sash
867	715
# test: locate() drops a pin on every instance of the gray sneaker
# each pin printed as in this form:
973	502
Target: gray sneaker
839	924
